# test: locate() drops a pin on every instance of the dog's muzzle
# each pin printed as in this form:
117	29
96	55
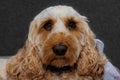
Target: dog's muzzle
60	49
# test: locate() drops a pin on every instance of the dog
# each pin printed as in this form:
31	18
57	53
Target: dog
60	46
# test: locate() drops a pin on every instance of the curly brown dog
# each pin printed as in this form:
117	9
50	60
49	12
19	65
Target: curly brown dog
60	46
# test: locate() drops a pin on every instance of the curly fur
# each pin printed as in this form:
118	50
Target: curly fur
31	61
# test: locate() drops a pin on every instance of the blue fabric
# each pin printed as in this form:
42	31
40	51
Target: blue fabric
111	72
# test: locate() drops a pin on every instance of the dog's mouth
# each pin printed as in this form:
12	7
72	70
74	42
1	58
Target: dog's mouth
62	69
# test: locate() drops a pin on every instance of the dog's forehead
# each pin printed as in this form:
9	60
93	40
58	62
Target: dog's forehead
59	11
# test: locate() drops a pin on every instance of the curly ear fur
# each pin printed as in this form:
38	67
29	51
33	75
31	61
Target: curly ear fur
26	64
90	61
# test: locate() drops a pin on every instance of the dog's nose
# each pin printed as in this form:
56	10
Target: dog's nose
60	50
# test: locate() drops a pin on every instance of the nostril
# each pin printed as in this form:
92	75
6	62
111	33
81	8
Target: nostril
60	49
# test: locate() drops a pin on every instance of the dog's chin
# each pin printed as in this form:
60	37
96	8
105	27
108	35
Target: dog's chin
61	65
61	62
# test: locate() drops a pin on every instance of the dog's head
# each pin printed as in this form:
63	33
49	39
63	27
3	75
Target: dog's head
59	36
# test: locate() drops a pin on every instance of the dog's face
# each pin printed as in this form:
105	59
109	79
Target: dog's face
58	33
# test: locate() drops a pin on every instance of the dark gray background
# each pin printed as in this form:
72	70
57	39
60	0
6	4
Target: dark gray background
104	17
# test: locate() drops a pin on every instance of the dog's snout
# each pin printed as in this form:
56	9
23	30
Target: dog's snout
60	50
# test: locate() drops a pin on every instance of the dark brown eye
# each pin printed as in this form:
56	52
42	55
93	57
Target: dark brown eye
71	25
48	25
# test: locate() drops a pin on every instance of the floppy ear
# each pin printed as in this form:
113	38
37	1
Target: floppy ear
90	61
26	64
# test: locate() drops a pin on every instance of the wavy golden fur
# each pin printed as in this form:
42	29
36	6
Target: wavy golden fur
57	25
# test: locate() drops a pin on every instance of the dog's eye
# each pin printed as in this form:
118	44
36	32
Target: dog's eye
48	25
71	25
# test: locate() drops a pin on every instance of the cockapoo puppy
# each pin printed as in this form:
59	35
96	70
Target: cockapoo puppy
60	46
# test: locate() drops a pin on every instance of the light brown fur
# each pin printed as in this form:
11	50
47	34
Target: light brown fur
31	61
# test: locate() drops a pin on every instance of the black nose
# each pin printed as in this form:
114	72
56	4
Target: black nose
60	50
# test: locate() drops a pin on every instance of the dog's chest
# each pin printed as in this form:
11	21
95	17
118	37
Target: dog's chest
62	76
66	76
